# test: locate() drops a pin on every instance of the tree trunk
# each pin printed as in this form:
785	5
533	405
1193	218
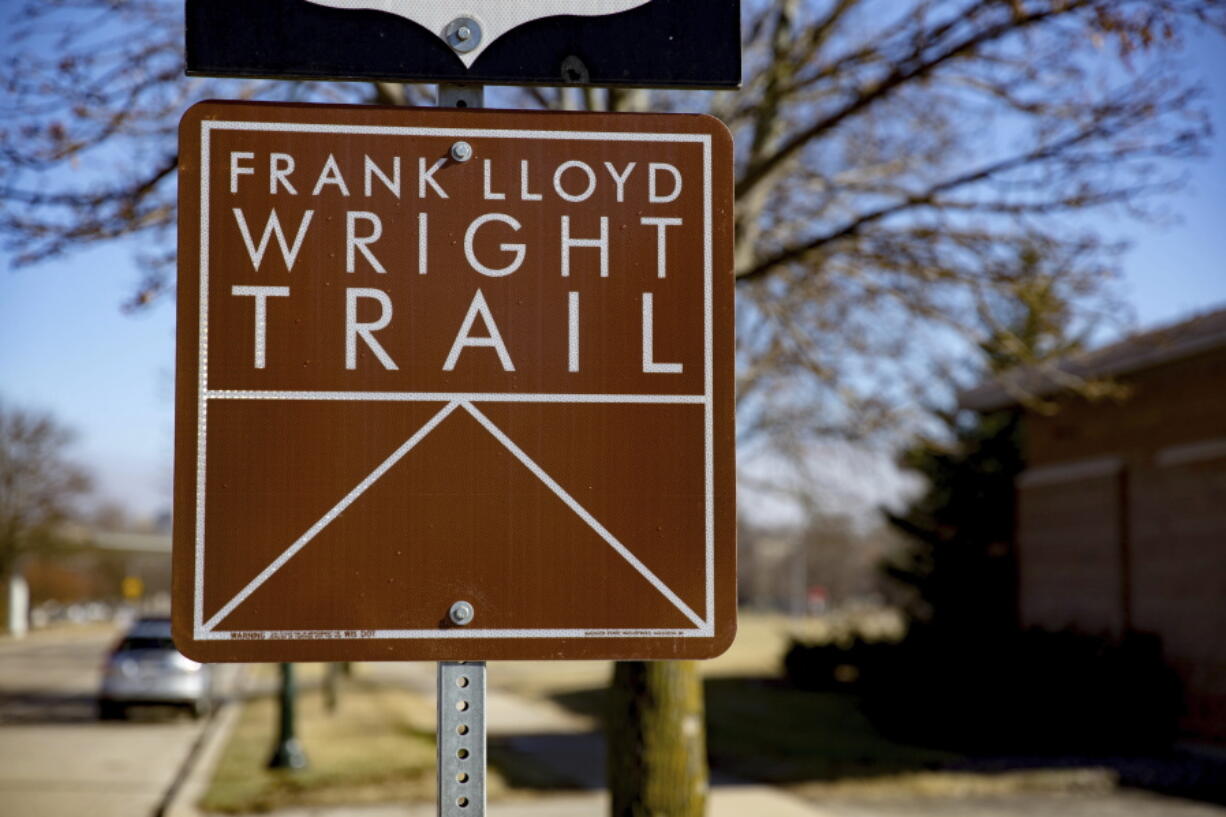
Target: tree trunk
657	740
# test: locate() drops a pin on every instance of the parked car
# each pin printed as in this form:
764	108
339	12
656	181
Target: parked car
144	668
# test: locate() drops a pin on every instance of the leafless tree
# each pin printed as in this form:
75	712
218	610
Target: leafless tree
88	128
38	484
894	161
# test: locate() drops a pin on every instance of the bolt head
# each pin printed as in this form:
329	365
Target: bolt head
463	34
461	151
461	613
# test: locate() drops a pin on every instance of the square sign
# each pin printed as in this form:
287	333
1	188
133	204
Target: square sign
652	43
453	385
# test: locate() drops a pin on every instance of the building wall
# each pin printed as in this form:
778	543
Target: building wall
1178	402
1122	522
1179	576
1068	562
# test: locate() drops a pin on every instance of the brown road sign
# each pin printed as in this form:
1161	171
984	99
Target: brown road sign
437	356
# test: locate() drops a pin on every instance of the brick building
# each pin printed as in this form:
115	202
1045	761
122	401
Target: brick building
1121	511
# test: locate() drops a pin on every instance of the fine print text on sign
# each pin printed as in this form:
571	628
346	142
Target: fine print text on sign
432	356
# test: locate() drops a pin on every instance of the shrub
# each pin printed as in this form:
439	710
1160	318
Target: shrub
1032	691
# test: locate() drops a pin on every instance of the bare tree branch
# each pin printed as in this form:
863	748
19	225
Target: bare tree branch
904	171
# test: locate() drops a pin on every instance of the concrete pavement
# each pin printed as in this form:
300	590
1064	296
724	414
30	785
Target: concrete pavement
56	758
1121	803
763	801
528	724
735	801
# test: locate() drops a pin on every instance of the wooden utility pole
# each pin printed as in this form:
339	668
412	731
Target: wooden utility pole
657	740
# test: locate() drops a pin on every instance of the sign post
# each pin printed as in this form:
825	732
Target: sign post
454	384
287	752
460	701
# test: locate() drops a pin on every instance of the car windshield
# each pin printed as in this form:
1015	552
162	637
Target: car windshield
133	643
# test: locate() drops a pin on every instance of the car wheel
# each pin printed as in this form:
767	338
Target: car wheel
111	711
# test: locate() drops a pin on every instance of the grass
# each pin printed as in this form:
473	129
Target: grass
949	784
523	774
761	729
378	746
761	640
757	727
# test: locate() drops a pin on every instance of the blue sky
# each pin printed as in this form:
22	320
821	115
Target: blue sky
66	347
1173	271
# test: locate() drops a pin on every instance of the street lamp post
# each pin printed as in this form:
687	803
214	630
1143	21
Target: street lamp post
288	753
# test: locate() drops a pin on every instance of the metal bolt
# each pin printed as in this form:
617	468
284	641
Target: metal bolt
463	34
461	151
462	613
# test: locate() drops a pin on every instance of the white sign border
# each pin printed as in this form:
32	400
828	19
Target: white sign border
204	394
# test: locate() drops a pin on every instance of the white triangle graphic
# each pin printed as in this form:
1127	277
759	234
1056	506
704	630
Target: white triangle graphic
395	457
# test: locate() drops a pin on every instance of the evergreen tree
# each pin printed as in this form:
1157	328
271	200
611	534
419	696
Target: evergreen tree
961	567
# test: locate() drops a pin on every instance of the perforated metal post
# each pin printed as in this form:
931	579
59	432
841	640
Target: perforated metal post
461	96
461	739
461	684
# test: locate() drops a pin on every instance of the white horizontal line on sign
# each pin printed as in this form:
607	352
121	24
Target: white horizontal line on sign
503	133
446	397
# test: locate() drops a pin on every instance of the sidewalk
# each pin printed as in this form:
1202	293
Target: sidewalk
533	728
763	801
570	745
734	801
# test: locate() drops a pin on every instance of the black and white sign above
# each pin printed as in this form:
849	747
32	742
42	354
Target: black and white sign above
643	43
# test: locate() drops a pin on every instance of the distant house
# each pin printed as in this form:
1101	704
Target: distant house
101	566
1121	511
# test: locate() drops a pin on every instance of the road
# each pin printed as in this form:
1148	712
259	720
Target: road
56	757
